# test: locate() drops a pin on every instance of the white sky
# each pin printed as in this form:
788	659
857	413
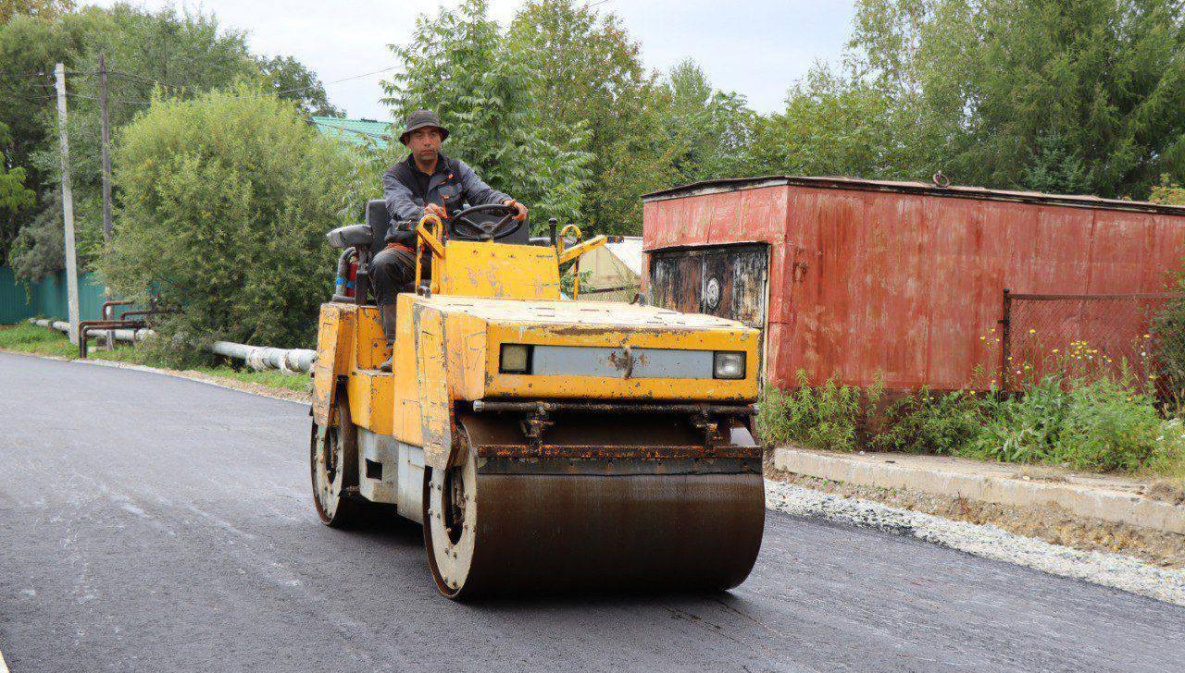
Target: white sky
757	48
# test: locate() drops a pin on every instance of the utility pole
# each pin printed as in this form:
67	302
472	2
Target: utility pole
67	205
105	142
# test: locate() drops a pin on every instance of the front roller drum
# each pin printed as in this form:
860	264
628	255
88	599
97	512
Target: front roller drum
534	527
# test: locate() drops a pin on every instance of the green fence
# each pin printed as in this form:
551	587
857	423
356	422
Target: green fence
47	299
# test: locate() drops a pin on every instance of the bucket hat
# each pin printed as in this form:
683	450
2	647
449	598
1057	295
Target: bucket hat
421	119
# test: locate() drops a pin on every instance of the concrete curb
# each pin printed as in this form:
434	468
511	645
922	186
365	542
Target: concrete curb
1005	489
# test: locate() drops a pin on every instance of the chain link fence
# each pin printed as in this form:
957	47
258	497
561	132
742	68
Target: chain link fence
1138	339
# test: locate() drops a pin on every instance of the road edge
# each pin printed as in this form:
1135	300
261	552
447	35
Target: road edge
198	377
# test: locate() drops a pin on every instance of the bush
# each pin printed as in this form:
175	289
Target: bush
224	201
929	423
826	417
1101	425
1108	427
1022	429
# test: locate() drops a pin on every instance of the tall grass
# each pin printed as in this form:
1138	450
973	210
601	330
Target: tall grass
1102	425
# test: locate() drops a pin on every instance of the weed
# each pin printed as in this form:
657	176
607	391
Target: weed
824	417
931	423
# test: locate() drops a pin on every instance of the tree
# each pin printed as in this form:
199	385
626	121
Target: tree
1081	96
13	193
224	204
148	54
835	125
46	9
458	65
29	47
709	131
592	93
291	80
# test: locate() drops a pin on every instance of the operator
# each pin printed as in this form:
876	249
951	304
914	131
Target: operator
426	183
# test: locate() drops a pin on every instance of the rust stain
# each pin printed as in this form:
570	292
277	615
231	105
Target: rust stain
868	284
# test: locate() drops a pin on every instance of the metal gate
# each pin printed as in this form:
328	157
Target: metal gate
729	281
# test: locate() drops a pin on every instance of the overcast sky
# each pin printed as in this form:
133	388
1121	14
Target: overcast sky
754	47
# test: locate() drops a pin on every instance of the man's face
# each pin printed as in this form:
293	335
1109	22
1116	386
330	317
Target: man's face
425	144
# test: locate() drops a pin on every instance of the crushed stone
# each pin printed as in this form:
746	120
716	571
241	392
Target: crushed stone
987	541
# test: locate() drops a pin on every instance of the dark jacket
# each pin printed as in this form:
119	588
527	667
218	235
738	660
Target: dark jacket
454	185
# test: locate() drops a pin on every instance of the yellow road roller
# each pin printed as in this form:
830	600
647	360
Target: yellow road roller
545	444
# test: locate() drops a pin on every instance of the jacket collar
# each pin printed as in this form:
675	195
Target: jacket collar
442	163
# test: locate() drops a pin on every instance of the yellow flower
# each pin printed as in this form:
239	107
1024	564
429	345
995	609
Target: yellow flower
983	338
1055	350
1032	331
1147	336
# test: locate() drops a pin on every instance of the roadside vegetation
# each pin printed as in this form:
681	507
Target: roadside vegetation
1100	425
35	340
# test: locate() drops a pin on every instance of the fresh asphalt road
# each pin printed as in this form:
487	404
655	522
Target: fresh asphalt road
149	523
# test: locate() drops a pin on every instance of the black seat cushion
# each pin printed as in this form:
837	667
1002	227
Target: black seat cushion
351	236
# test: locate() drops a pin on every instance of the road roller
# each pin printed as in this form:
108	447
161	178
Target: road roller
545	444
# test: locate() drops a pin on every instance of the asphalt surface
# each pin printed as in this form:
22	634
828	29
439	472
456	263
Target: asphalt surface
149	523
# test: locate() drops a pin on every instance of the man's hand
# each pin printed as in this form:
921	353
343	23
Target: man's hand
522	210
435	209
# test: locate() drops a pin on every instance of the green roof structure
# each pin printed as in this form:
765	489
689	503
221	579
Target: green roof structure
356	131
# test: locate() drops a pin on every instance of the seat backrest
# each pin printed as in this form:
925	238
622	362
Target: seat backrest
380	222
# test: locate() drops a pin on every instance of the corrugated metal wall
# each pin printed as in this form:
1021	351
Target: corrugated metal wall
47	298
868	284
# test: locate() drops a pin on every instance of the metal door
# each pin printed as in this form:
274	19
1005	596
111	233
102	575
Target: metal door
729	281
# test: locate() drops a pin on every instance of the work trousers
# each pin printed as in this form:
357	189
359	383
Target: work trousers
392	270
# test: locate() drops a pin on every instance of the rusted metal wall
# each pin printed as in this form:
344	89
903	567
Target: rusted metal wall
869	283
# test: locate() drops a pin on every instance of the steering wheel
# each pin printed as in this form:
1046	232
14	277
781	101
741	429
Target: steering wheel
487	231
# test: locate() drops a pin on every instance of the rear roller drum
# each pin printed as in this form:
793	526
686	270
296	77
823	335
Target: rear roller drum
450	531
333	462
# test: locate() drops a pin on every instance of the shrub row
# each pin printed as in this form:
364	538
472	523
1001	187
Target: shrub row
1101	425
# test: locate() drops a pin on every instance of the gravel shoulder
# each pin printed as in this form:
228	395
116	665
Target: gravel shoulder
987	541
1050	523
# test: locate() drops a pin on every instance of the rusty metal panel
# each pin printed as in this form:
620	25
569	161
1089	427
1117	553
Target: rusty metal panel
334	350
436	409
752	215
675	282
904	285
724	281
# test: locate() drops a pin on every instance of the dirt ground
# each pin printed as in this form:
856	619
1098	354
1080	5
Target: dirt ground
1052	523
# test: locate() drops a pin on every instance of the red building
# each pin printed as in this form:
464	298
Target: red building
859	279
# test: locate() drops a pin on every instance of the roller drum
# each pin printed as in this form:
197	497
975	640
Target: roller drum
572	520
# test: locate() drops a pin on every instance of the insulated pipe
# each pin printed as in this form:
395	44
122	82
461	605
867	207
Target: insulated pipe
118	335
263	357
257	357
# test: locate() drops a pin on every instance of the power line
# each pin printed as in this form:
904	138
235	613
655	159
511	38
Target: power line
259	95
149	80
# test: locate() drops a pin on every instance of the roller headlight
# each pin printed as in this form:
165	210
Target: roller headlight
515	359
728	366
